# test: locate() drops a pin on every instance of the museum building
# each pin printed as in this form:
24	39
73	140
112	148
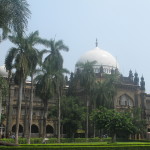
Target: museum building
130	94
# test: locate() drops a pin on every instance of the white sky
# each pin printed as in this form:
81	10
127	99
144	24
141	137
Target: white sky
121	26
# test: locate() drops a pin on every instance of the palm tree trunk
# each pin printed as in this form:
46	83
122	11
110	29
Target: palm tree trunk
30	110
59	114
25	114
18	110
94	128
0	106
25	118
9	108
87	119
113	137
45	118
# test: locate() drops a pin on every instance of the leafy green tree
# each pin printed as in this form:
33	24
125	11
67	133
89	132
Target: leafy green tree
113	122
87	82
17	58
14	16
72	115
138	121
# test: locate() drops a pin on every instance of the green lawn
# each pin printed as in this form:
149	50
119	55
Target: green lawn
83	146
92	143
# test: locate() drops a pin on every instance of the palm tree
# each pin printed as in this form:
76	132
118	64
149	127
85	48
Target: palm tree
103	94
14	16
35	58
47	84
55	59
9	67
55	62
87	81
45	91
105	91
18	59
58	84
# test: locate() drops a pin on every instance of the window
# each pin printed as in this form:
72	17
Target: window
96	70
20	128
125	100
147	104
49	129
34	113
23	111
34	129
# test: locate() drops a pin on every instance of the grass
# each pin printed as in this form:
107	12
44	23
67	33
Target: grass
83	146
95	143
92	144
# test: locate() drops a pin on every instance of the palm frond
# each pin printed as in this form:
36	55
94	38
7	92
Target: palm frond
14	14
10	57
60	46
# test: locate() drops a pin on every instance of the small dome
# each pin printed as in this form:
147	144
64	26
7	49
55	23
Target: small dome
102	57
3	71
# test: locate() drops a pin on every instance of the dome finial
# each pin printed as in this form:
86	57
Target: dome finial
96	43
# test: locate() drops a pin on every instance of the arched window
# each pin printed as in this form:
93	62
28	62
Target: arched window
20	128
34	129
49	129
125	100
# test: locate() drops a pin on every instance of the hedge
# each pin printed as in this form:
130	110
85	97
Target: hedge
55	140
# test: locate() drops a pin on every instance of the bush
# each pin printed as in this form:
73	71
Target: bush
55	140
35	141
8	140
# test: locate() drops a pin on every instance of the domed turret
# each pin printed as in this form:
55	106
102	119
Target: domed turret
3	71
131	76
102	58
142	83
136	78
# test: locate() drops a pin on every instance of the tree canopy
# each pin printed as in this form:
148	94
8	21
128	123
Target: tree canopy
112	121
14	16
72	115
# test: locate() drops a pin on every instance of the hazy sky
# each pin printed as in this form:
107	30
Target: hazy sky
121	26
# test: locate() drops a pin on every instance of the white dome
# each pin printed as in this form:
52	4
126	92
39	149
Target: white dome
3	71
102	58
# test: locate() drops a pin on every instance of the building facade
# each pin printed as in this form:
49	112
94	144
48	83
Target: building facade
130	94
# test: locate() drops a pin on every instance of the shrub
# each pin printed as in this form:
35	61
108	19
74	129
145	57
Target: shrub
8	140
54	140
